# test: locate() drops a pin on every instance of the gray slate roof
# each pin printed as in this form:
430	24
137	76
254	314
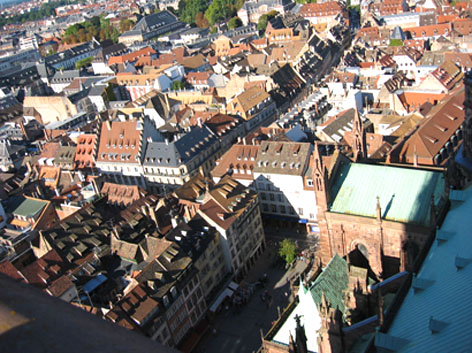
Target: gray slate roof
173	154
155	21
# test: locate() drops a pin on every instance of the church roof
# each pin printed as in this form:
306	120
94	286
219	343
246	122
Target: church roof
333	282
404	194
436	317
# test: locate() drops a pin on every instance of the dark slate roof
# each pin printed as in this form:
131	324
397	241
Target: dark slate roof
173	154
341	124
65	76
154	21
96	90
193	237
287	79
45	70
72	52
276	22
398	33
86	231
12	70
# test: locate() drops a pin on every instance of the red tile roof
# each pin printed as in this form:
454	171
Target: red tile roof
130	57
198	78
330	8
50	150
239	158
220	124
85	153
429	31
45	270
122	195
8	269
434	131
120	142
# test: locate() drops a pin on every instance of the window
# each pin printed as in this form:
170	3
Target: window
279	197
166	301
271	197
300	211
273	208
263	196
282	209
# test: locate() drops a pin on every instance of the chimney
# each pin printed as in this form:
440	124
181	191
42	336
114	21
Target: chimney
378	210
152	214
95	187
415	156
144	210
174	221
167	102
380	304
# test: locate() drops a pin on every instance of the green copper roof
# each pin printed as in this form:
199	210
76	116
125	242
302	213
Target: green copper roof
405	194
333	282
29	207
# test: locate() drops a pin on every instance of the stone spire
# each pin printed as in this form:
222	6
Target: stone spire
300	337
359	145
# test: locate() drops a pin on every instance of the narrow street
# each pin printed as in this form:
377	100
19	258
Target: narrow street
239	330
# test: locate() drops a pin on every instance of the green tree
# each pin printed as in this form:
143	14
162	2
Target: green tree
126	25
95	21
189	9
235	22
287	250
264	19
220	10
176	85
84	63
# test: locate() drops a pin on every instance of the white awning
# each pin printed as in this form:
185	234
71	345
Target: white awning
233	286
226	293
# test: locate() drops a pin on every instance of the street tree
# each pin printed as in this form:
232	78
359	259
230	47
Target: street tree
288	250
